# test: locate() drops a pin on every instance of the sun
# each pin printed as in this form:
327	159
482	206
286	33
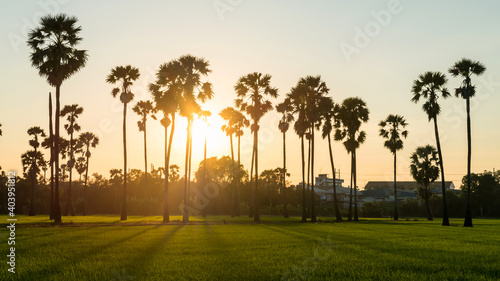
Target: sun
217	141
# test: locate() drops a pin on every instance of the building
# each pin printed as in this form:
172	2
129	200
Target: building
407	185
387	195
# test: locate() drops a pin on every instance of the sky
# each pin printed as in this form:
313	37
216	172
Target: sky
370	49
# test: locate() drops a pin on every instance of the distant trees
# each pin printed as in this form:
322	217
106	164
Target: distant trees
466	68
424	169
252	90
125	76
87	140
144	109
484	193
392	129
431	86
56	57
229	115
32	161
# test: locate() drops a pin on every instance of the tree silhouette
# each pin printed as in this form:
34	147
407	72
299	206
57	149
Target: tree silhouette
144	109
228	114
328	112
73	112
204	114
252	90
352	114
424	169
240	122
37	161
286	110
88	140
167	93
124	76
392	129
54	54
466	68
430	86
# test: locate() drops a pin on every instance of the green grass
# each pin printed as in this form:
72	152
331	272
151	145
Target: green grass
103	248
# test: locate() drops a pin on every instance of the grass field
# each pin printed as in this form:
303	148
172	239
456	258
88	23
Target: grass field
103	248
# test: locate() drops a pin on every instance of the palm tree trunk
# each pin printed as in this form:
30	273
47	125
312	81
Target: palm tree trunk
185	216
145	160
446	221
189	168
166	217
304	211
428	208
51	134
468	209
308	208
205	174
355	189
335	203
350	191
252	195
256	217
69	204
124	200
33	183
233	176
313	214
238	183
395	192
57	206
285	209
85	186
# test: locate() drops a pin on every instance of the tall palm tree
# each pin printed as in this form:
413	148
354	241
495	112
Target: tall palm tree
240	122
392	129
328	111
424	169
430	86
466	68
228	115
192	69
204	114
144	109
167	93
252	90
73	112
124	76
56	57
352	114
88	140
36	132
286	110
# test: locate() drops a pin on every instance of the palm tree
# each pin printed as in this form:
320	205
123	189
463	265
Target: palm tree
31	162
391	129
251	90
227	115
54	54
286	110
466	68
204	114
429	86
36	132
88	140
424	169
191	69
352	114
125	76
328	111
144	109
166	93
240	122
73	112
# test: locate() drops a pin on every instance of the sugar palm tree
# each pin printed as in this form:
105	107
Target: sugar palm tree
328	112
286	110
240	122
192	69
167	93
88	140
31	162
352	114
252	90
35	132
144	109
466	68
72	112
124	76
56	57
228	115
431	86
204	114
424	169
392	129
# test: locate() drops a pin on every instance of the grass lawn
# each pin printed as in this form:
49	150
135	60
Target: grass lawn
103	248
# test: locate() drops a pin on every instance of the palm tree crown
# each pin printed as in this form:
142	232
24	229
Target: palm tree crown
466	68
351	114
428	86
143	109
125	75
252	90
392	129
424	165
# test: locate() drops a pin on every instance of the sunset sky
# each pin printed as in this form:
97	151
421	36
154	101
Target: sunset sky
370	49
